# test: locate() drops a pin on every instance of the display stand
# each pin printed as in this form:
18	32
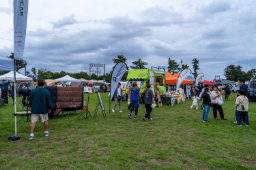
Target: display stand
100	104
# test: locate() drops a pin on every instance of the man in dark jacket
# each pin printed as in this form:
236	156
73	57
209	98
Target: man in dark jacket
227	91
148	97
40	105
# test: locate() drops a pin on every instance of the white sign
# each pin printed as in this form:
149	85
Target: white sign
20	27
152	77
199	78
185	73
117	74
87	90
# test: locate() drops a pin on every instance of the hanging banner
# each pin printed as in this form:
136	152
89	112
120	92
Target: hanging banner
199	78
117	74
20	27
185	73
6	65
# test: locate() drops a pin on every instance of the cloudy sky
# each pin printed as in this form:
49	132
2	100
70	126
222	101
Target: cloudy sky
68	35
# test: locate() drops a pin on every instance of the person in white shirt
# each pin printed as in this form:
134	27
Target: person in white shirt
215	96
195	101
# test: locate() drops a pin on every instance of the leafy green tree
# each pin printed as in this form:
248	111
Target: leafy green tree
173	66
233	72
27	73
120	58
195	64
183	66
19	63
139	64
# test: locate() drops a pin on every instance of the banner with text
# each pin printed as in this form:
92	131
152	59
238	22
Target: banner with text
117	74
20	27
185	73
199	78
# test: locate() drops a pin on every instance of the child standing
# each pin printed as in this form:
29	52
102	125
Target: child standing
148	97
242	104
135	93
195	101
206	104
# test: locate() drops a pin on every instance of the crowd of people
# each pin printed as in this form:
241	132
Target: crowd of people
212	98
40	102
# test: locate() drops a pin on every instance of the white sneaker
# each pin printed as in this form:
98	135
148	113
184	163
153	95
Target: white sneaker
46	134
235	122
31	137
247	125
120	111
113	110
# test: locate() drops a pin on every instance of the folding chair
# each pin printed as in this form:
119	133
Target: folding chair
85	109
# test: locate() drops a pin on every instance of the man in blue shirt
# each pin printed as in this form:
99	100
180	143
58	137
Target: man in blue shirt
40	105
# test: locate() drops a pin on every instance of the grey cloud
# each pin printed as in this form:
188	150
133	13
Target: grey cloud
70	20
216	7
158	16
218	45
215	33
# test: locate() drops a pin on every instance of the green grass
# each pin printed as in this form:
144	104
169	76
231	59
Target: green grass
175	139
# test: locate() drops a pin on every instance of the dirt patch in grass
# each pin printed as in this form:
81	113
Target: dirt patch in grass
12	152
101	149
143	154
40	142
186	164
246	162
155	161
89	144
73	135
186	157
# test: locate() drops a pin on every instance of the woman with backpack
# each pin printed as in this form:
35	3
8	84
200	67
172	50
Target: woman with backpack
217	103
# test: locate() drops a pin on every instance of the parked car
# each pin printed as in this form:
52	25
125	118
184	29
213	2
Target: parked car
252	89
237	87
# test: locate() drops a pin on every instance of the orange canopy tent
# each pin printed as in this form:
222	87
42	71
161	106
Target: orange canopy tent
173	79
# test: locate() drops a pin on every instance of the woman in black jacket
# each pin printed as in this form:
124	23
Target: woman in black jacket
206	104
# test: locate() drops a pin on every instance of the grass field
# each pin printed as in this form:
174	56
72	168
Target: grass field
175	139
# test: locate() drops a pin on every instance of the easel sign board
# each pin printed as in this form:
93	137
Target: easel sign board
101	103
87	90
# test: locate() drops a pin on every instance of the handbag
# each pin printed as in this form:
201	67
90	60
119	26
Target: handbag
220	101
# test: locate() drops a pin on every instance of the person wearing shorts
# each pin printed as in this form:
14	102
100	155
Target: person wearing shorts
40	105
135	96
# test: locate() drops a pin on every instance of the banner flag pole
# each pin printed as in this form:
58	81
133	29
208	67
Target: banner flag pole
15	108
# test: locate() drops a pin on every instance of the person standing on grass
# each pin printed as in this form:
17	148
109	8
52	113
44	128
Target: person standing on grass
148	97
241	82
118	97
227	91
40	105
135	94
206	104
242	104
12	91
215	96
129	95
200	88
195	101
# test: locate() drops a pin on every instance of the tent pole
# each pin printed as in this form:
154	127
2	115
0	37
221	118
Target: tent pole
15	97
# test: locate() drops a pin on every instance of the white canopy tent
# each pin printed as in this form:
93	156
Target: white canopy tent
67	78
10	76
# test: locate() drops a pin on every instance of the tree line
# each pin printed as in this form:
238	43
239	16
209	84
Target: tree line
231	72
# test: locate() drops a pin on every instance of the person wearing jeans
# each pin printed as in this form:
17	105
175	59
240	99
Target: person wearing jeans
206	104
148	96
242	104
118	97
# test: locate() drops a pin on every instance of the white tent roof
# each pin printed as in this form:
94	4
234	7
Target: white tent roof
67	78
10	76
